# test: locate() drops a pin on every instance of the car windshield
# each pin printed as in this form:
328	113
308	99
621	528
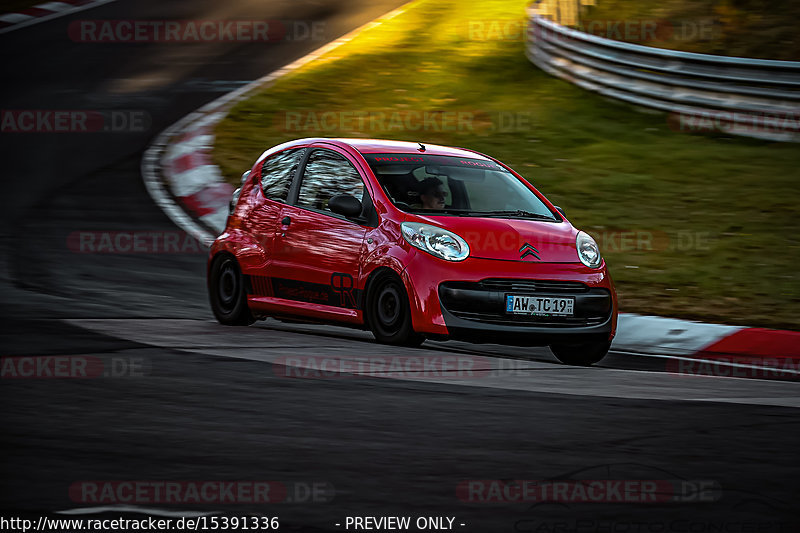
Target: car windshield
455	186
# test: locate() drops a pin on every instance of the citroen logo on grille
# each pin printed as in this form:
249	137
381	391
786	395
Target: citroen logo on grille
527	250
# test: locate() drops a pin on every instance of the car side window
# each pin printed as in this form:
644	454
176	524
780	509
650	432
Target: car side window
277	172
326	175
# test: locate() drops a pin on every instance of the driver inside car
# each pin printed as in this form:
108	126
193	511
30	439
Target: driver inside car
432	194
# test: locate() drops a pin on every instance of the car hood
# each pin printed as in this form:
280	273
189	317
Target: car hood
511	239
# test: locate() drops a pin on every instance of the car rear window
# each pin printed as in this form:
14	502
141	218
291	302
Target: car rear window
277	172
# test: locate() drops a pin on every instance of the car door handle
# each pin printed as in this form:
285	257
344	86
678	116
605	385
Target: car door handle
286	221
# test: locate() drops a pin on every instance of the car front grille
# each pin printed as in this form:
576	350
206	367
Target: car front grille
527	285
484	302
522	320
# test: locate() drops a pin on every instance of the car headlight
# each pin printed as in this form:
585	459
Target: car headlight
588	251
436	241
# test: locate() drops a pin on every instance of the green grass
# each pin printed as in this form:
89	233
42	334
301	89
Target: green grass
609	166
764	29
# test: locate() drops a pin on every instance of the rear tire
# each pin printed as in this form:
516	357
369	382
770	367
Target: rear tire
388	313
226	292
585	354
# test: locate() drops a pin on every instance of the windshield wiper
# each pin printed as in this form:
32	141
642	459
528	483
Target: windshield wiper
516	213
519	213
421	211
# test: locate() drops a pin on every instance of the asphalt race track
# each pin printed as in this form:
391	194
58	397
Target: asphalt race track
208	402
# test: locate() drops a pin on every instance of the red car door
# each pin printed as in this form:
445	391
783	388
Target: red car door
267	201
317	253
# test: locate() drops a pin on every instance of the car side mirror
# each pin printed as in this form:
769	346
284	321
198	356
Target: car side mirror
560	211
345	205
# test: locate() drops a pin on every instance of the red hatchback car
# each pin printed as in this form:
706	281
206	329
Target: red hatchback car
411	241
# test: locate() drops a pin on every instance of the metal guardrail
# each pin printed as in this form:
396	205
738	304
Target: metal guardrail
751	97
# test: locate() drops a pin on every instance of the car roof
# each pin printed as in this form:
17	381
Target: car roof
384	146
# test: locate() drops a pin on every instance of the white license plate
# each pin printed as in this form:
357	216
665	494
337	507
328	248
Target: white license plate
539	305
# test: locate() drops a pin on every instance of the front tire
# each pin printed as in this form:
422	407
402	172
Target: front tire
227	294
585	354
388	313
